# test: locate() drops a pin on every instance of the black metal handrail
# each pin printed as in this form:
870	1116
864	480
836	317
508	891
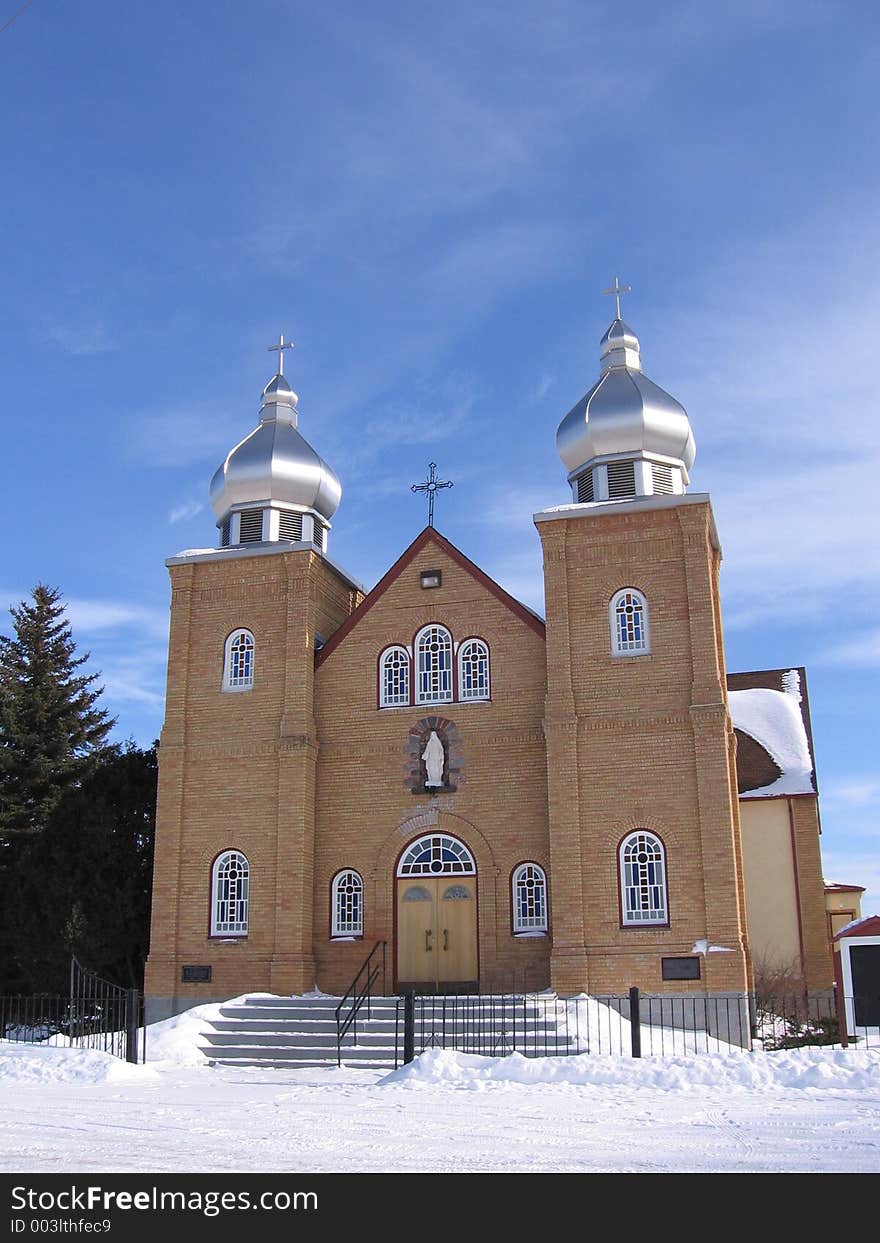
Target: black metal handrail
358	992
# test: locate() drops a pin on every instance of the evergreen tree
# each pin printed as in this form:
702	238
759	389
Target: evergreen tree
50	727
82	885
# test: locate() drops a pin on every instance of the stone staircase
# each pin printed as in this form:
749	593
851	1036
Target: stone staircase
298	1032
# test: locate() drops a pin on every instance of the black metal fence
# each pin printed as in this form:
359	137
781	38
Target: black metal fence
94	1014
632	1025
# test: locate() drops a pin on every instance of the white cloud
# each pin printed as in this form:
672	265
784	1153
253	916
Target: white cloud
188	509
98	616
861	651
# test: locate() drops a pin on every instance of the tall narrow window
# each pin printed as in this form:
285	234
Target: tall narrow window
433	648
643	879
347	899
230	881
238	662
394	677
529	899
629	623
473	670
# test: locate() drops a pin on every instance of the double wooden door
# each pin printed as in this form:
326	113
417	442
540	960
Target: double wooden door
437	932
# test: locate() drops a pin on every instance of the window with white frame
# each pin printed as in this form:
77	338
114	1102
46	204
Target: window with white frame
394	677
529	898
629	623
473	670
238	661
643	879
230	881
433	655
347	899
438	854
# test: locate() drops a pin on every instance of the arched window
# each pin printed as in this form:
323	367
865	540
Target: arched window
347	900
230	879
473	670
529	898
433	647
437	855
643	879
394	677
238	661
629	623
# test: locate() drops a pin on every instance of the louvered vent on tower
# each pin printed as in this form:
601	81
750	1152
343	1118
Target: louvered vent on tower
621	479
251	531
224	534
585	488
290	526
661	476
318	535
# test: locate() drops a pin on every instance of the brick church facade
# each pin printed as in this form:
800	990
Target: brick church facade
583	802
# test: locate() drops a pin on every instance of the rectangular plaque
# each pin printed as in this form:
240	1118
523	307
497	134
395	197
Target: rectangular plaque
680	968
196	975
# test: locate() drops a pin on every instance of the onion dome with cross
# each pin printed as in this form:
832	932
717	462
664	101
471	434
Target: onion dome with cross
273	486
626	437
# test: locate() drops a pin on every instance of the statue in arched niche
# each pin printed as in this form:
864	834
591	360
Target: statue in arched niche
434	757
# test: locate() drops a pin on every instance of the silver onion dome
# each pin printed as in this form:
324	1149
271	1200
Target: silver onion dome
275	469
625	418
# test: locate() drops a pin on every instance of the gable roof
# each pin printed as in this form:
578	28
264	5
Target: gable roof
867	926
428	536
770	708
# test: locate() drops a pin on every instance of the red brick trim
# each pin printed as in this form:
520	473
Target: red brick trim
428	535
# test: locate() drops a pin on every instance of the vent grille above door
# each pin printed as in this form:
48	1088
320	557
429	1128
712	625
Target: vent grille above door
290	526
251	531
621	479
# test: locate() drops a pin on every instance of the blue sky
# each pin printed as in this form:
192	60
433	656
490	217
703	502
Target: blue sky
429	200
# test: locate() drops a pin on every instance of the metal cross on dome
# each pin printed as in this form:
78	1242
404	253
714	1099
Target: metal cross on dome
432	486
617	289
280	347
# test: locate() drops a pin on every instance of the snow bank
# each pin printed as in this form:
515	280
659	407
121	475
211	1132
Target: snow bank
40	1063
843	1069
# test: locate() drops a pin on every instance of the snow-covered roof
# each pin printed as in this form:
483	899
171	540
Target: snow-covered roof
775	719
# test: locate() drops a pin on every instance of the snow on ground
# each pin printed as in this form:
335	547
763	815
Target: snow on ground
74	1110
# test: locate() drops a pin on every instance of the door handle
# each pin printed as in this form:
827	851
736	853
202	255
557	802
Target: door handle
446	938
428	940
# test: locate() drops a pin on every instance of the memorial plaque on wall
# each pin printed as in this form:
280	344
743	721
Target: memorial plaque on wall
196	975
680	968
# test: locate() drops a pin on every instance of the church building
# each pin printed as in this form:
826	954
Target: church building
585	802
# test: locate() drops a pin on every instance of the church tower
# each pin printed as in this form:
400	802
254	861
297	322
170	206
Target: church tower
644	827
236	808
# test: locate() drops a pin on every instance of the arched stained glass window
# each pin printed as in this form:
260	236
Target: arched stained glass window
437	855
643	879
433	654
473	670
238	661
394	677
529	898
347	897
629	623
230	882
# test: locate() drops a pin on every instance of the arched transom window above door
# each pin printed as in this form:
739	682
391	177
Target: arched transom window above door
437	855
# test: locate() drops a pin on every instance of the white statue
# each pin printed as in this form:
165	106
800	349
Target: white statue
433	756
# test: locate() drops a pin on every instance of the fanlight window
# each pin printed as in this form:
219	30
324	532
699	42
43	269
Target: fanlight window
437	855
347	896
629	623
529	899
238	662
394	677
230	881
643	879
433	649
473	670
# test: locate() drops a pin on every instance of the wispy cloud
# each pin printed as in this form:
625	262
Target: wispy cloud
81	340
96	616
862	651
188	509
181	435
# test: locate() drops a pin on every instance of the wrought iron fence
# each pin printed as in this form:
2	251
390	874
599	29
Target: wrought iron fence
631	1025
94	1014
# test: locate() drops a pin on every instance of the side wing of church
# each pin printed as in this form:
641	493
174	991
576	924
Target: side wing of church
507	803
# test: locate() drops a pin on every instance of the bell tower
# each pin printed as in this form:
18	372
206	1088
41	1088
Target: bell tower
644	825
233	891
